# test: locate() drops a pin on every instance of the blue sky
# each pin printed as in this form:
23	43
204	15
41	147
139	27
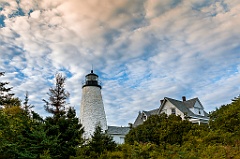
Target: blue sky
142	50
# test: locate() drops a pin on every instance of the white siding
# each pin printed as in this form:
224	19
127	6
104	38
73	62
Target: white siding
198	105
197	109
119	139
167	108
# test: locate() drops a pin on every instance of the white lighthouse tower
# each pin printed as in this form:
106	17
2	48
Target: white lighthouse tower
92	109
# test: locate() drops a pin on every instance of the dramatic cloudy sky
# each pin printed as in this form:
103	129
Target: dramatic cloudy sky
143	51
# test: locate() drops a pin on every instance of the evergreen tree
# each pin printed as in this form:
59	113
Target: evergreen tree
4	91
26	106
21	136
101	141
227	117
225	123
64	124
56	103
6	98
99	144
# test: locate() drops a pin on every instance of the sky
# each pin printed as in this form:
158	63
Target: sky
142	50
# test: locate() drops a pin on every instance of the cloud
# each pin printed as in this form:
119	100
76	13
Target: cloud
142	50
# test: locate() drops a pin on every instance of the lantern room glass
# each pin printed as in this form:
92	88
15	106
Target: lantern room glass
91	78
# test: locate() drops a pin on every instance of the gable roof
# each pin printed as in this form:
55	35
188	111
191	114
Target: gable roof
190	103
139	119
116	130
151	112
178	104
184	106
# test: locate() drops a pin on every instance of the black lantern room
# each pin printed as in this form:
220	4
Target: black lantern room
91	80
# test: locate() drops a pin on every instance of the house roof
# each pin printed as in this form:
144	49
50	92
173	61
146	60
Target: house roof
139	119
184	106
151	112
191	102
116	130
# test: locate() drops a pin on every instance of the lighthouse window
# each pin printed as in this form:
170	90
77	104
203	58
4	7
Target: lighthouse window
91	78
94	78
88	78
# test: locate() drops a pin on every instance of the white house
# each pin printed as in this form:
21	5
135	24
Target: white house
118	133
192	109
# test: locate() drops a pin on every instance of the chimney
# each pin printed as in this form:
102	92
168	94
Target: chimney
183	98
161	101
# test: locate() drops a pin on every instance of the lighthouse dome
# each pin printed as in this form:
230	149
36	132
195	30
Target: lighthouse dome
91	79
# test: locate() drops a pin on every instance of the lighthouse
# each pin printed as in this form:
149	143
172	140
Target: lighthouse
92	112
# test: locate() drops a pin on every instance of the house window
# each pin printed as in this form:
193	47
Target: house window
144	117
198	110
173	111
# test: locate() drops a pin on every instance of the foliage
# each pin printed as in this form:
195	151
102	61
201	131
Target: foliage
227	117
187	150
64	124
21	136
68	132
6	98
26	106
160	129
99	144
225	123
4	92
25	134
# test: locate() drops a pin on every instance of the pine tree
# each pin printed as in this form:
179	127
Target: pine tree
26	106
101	141
64	124
57	98
6	98
99	144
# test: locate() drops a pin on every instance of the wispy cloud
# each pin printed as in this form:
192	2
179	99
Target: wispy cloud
142	50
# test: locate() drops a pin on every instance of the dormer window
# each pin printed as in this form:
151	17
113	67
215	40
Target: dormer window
144	117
